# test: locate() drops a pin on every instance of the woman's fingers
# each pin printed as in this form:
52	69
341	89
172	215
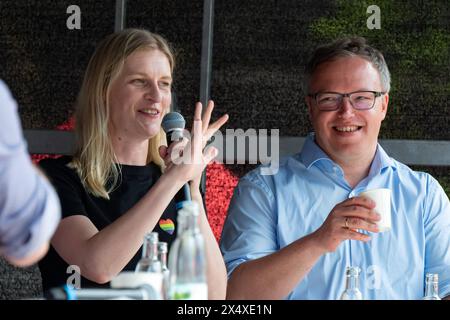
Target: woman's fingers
207	115
198	112
209	154
175	151
197	135
192	153
207	130
215	126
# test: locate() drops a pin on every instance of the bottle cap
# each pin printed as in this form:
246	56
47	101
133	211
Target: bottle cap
190	207
352	271
162	247
153	237
433	277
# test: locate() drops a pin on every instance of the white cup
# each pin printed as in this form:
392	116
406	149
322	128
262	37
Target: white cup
382	198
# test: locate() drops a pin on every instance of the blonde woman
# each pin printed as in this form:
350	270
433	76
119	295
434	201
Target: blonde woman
115	189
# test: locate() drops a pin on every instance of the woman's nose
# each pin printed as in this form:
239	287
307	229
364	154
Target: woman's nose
153	93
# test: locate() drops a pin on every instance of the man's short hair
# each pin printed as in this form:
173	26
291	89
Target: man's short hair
348	47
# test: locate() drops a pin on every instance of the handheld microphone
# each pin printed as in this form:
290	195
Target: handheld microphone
173	125
143	292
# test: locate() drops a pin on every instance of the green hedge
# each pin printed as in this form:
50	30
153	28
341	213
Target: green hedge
415	40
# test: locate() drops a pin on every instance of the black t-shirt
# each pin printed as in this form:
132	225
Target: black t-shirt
75	200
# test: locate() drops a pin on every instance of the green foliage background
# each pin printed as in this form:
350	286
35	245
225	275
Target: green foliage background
415	40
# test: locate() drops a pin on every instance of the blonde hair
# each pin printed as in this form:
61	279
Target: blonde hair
94	157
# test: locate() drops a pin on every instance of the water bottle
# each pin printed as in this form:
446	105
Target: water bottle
351	291
431	287
162	255
188	274
149	261
173	253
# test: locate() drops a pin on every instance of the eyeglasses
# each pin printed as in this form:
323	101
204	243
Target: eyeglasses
360	100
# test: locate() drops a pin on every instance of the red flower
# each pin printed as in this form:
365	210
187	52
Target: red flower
220	184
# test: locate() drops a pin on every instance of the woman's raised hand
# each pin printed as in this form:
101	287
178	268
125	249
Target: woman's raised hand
188	156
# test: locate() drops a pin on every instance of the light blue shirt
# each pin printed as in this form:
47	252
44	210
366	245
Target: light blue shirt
29	206
269	212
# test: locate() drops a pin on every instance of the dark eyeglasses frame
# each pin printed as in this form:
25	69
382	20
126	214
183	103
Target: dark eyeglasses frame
343	95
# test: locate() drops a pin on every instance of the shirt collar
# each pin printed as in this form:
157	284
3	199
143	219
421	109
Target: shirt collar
312	153
380	161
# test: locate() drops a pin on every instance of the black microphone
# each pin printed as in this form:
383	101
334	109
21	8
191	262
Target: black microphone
173	125
143	292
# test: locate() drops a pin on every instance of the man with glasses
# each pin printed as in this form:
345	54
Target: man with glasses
292	234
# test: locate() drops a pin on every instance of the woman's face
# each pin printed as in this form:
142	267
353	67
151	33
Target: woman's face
140	96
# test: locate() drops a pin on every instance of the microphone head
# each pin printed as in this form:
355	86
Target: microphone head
171	121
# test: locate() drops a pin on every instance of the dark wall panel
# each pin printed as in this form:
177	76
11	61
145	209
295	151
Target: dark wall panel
261	47
42	60
180	22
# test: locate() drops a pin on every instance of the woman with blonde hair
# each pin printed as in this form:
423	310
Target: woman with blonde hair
117	187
